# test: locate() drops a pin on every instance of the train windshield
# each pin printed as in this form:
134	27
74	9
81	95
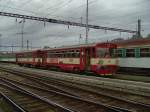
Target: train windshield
106	52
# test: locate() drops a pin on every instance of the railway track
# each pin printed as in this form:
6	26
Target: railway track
6	104
28	102
123	85
30	70
75	103
68	89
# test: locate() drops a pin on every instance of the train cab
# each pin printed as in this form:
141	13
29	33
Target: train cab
104	61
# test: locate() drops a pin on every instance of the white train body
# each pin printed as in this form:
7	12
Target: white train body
134	62
134	53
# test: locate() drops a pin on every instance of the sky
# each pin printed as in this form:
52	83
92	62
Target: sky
111	13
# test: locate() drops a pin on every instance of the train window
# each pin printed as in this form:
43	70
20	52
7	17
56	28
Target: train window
60	54
51	54
64	54
145	52
101	52
77	51
68	55
78	54
119	53
73	54
28	55
112	52
130	52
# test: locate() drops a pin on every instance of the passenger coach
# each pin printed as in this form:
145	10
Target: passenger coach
8	57
30	58
134	54
97	58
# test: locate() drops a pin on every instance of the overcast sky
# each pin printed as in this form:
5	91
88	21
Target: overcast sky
112	13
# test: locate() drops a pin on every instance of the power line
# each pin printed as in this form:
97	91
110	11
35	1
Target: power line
58	8
36	13
53	10
17	46
64	22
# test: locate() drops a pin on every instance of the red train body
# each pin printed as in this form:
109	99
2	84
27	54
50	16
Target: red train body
98	58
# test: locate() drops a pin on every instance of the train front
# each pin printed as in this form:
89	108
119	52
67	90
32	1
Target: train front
105	62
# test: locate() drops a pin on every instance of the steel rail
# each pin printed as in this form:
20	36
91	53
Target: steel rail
22	91
10	101
113	107
124	82
148	106
110	108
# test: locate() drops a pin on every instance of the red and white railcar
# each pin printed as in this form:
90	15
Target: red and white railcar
29	58
98	58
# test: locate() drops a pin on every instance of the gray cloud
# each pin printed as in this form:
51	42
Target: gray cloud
113	13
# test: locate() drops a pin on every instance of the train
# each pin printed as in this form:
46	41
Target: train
131	55
8	57
134	54
98	58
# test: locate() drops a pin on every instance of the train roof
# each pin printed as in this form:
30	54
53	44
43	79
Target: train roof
73	46
28	51
82	45
65	47
133	42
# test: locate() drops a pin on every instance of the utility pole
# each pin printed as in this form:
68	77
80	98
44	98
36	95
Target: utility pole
87	28
31	45
81	20
0	41
80	39
139	28
27	44
22	32
12	50
80	36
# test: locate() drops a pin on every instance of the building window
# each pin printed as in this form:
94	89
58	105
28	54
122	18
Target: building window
130	52
145	52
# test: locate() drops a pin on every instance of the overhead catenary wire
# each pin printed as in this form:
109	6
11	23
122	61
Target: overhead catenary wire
63	22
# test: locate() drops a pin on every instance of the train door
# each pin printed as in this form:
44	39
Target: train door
38	58
43	56
87	58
